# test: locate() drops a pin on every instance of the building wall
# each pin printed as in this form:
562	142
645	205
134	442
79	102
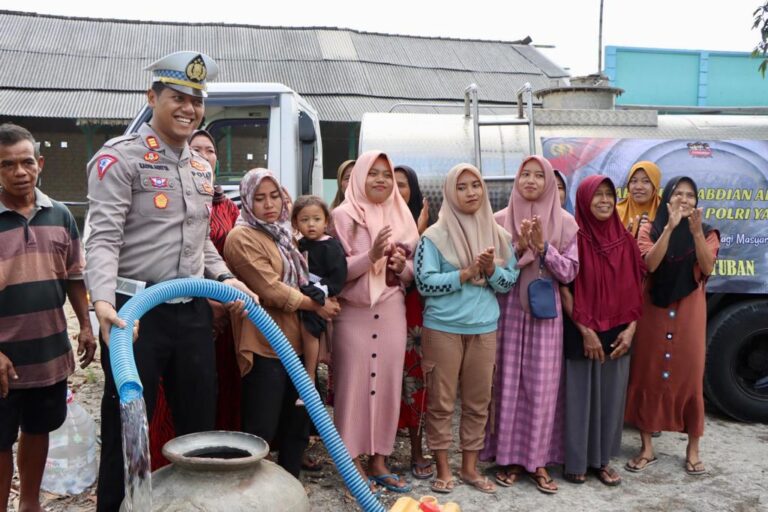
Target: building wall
652	76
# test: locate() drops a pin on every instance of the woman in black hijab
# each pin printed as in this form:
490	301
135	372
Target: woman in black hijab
413	399
666	377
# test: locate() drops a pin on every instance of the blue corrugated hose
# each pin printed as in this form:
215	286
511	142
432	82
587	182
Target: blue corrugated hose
129	386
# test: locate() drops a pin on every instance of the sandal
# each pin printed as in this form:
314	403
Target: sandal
507	477
694	468
542	481
482	484
309	463
575	478
639	464
382	481
443	486
416	466
608	476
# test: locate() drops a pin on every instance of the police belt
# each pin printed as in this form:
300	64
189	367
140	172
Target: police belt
131	287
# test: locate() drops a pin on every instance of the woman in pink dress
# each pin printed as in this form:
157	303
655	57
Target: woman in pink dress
378	234
525	432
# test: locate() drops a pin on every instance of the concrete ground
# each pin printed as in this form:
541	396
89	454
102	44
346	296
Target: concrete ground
736	456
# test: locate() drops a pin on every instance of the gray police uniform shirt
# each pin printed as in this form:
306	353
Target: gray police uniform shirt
149	214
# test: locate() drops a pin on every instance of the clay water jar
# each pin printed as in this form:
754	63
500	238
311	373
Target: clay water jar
224	471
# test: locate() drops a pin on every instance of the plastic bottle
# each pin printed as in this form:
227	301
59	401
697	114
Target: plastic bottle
71	466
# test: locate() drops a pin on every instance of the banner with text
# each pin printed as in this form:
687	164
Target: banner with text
732	176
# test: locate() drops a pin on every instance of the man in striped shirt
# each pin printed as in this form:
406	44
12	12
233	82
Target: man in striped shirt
41	263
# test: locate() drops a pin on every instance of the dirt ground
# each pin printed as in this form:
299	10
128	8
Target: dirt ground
736	455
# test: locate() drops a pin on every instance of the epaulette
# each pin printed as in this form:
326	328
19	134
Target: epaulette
122	138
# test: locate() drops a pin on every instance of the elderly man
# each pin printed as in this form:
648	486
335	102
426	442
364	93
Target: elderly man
41	261
150	202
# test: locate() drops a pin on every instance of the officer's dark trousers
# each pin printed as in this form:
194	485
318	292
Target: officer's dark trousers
270	412
176	343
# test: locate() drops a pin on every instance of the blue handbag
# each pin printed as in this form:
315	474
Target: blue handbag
541	296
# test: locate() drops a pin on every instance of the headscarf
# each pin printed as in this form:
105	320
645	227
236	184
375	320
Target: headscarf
459	236
558	226
568	206
374	217
628	209
295	271
340	190
218	192
673	279
416	199
608	290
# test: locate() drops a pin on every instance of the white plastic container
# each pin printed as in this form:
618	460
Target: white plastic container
71	466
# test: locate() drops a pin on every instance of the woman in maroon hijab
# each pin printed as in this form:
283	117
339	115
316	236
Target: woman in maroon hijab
599	324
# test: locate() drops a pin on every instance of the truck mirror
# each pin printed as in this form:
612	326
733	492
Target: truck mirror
307	137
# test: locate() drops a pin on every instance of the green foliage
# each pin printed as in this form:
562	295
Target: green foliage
761	24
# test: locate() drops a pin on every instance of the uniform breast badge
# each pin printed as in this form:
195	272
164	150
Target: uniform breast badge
161	201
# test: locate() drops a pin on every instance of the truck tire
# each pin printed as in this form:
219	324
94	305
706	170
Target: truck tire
737	357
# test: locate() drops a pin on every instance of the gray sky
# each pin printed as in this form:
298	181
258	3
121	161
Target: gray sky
571	26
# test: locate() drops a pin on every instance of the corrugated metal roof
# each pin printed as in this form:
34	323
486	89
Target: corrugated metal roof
336	45
70	104
306	77
118	105
352	108
109	56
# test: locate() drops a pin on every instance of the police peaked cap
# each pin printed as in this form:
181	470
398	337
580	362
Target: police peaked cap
186	72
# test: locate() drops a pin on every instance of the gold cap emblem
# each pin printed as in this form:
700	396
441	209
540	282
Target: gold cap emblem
196	69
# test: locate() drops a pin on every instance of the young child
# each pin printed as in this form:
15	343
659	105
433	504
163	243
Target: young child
327	270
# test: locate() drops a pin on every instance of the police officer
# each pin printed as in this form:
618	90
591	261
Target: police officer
150	202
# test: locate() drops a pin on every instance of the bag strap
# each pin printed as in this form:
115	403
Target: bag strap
541	259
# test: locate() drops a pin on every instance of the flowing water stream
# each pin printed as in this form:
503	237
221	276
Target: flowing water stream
137	469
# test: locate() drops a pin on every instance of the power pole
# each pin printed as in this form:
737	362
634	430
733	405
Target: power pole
600	42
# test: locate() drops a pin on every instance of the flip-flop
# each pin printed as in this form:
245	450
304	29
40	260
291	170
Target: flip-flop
422	465
376	492
539	480
482	484
607	470
690	468
510	476
634	468
443	486
382	481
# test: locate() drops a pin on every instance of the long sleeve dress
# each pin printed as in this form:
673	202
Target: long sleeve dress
526	426
368	349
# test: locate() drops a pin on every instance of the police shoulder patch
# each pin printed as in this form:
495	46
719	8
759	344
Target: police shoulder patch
197	165
103	163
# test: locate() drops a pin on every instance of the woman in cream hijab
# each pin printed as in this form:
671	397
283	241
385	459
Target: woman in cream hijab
462	262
